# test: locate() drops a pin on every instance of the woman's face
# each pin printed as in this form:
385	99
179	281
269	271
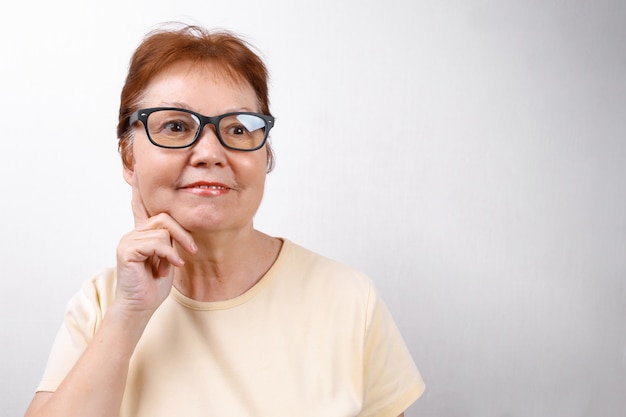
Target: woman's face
205	188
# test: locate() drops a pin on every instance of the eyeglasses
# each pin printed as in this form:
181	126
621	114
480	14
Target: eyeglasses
171	127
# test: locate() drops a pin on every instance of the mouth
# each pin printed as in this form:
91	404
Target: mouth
212	185
207	188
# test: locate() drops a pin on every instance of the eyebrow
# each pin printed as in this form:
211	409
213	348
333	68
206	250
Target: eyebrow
175	104
186	107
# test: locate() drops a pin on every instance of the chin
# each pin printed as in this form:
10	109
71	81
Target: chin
199	225
211	220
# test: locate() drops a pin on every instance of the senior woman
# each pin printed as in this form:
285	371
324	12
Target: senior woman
204	315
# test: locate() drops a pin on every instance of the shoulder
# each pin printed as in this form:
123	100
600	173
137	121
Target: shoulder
320	279
309	259
321	269
96	293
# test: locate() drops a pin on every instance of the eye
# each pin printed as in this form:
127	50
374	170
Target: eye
236	130
174	126
251	122
242	125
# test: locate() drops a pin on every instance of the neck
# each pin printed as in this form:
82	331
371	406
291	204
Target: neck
226	266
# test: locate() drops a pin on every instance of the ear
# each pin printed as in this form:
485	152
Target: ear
128	175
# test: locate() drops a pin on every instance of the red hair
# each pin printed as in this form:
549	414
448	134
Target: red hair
226	52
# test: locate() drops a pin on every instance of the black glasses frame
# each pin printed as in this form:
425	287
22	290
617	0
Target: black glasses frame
142	116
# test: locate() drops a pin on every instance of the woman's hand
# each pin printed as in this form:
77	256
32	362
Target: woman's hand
147	257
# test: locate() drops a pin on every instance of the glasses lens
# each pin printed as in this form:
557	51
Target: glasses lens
243	131
172	128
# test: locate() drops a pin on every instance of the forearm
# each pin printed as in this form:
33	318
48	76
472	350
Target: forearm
95	385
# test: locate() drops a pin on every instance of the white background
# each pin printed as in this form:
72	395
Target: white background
469	155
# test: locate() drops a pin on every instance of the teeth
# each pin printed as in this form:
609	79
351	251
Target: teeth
211	187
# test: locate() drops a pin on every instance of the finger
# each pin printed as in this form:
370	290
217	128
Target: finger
140	214
148	251
163	268
181	236
175	232
161	221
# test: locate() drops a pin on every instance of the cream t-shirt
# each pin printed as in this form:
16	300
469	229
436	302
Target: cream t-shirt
311	338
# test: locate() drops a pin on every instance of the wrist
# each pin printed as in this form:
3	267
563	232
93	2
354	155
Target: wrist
125	324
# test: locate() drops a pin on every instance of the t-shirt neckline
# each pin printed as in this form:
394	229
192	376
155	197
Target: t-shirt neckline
263	283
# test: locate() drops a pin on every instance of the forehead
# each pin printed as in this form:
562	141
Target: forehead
199	82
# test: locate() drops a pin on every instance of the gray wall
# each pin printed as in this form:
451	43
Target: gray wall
469	155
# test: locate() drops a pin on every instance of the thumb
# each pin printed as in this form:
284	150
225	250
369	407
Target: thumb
140	214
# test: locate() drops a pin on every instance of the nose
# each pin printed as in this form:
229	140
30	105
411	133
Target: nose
208	149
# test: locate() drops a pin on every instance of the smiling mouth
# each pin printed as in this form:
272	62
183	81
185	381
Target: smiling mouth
210	187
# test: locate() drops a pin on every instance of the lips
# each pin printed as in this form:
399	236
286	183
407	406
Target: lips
207	185
206	188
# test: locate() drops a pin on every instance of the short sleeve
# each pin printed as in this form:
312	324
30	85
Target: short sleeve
392	380
82	317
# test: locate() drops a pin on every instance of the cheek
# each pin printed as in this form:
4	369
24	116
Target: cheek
154	181
152	164
259	189
253	172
